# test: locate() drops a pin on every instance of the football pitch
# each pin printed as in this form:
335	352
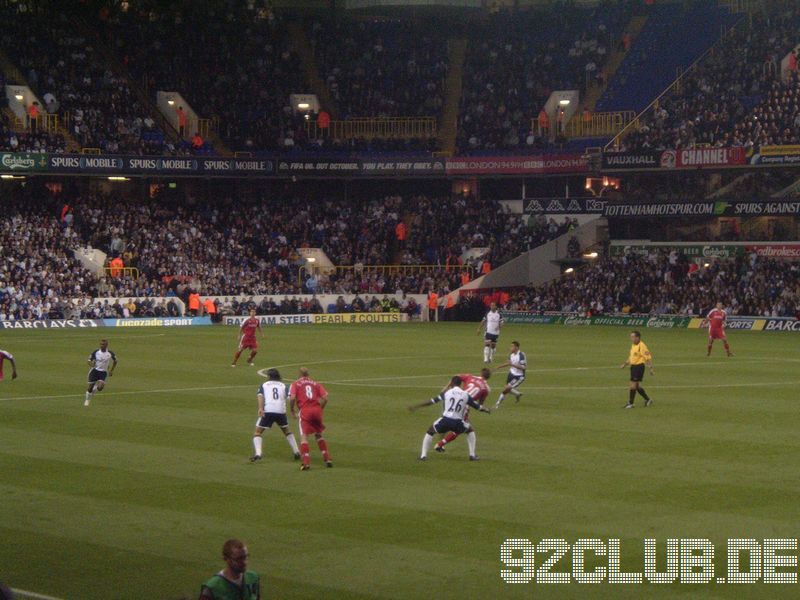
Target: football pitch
132	497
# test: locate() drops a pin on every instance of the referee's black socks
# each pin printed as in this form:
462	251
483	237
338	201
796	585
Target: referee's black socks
631	396
643	394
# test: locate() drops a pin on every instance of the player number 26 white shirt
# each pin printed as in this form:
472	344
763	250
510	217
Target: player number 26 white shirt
455	403
274	393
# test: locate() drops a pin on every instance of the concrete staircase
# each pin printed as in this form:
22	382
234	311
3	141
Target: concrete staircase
614	61
17	126
448	125
303	48
540	265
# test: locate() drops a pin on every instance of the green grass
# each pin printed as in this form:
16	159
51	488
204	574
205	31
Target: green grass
133	497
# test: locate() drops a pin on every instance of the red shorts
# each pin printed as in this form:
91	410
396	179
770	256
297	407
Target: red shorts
311	421
716	334
252	344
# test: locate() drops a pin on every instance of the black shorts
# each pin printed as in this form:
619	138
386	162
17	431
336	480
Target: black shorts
445	424
95	375
637	372
268	419
491	337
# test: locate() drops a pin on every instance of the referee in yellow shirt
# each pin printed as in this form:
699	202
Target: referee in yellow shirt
638	358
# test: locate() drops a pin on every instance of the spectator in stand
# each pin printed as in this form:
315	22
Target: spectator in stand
181	114
400	232
33	117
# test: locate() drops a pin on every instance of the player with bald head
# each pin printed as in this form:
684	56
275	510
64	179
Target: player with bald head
307	399
235	581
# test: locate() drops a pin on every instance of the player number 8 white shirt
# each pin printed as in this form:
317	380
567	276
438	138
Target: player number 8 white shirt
274	393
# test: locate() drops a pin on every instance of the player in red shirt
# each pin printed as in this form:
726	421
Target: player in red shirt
248	338
7	356
478	390
716	328
307	399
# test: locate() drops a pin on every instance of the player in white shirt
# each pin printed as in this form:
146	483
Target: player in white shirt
455	401
100	360
517	363
272	409
492	323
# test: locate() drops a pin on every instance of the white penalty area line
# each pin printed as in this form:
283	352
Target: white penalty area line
34	595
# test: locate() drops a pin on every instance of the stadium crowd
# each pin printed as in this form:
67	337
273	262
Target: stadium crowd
381	68
96	106
233	62
225	247
237	63
662	282
518	58
38	272
737	96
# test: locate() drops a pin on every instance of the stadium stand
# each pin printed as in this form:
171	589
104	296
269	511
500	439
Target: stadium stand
736	96
37	271
655	57
224	246
516	59
381	68
234	63
66	72
372	67
664	282
14	138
